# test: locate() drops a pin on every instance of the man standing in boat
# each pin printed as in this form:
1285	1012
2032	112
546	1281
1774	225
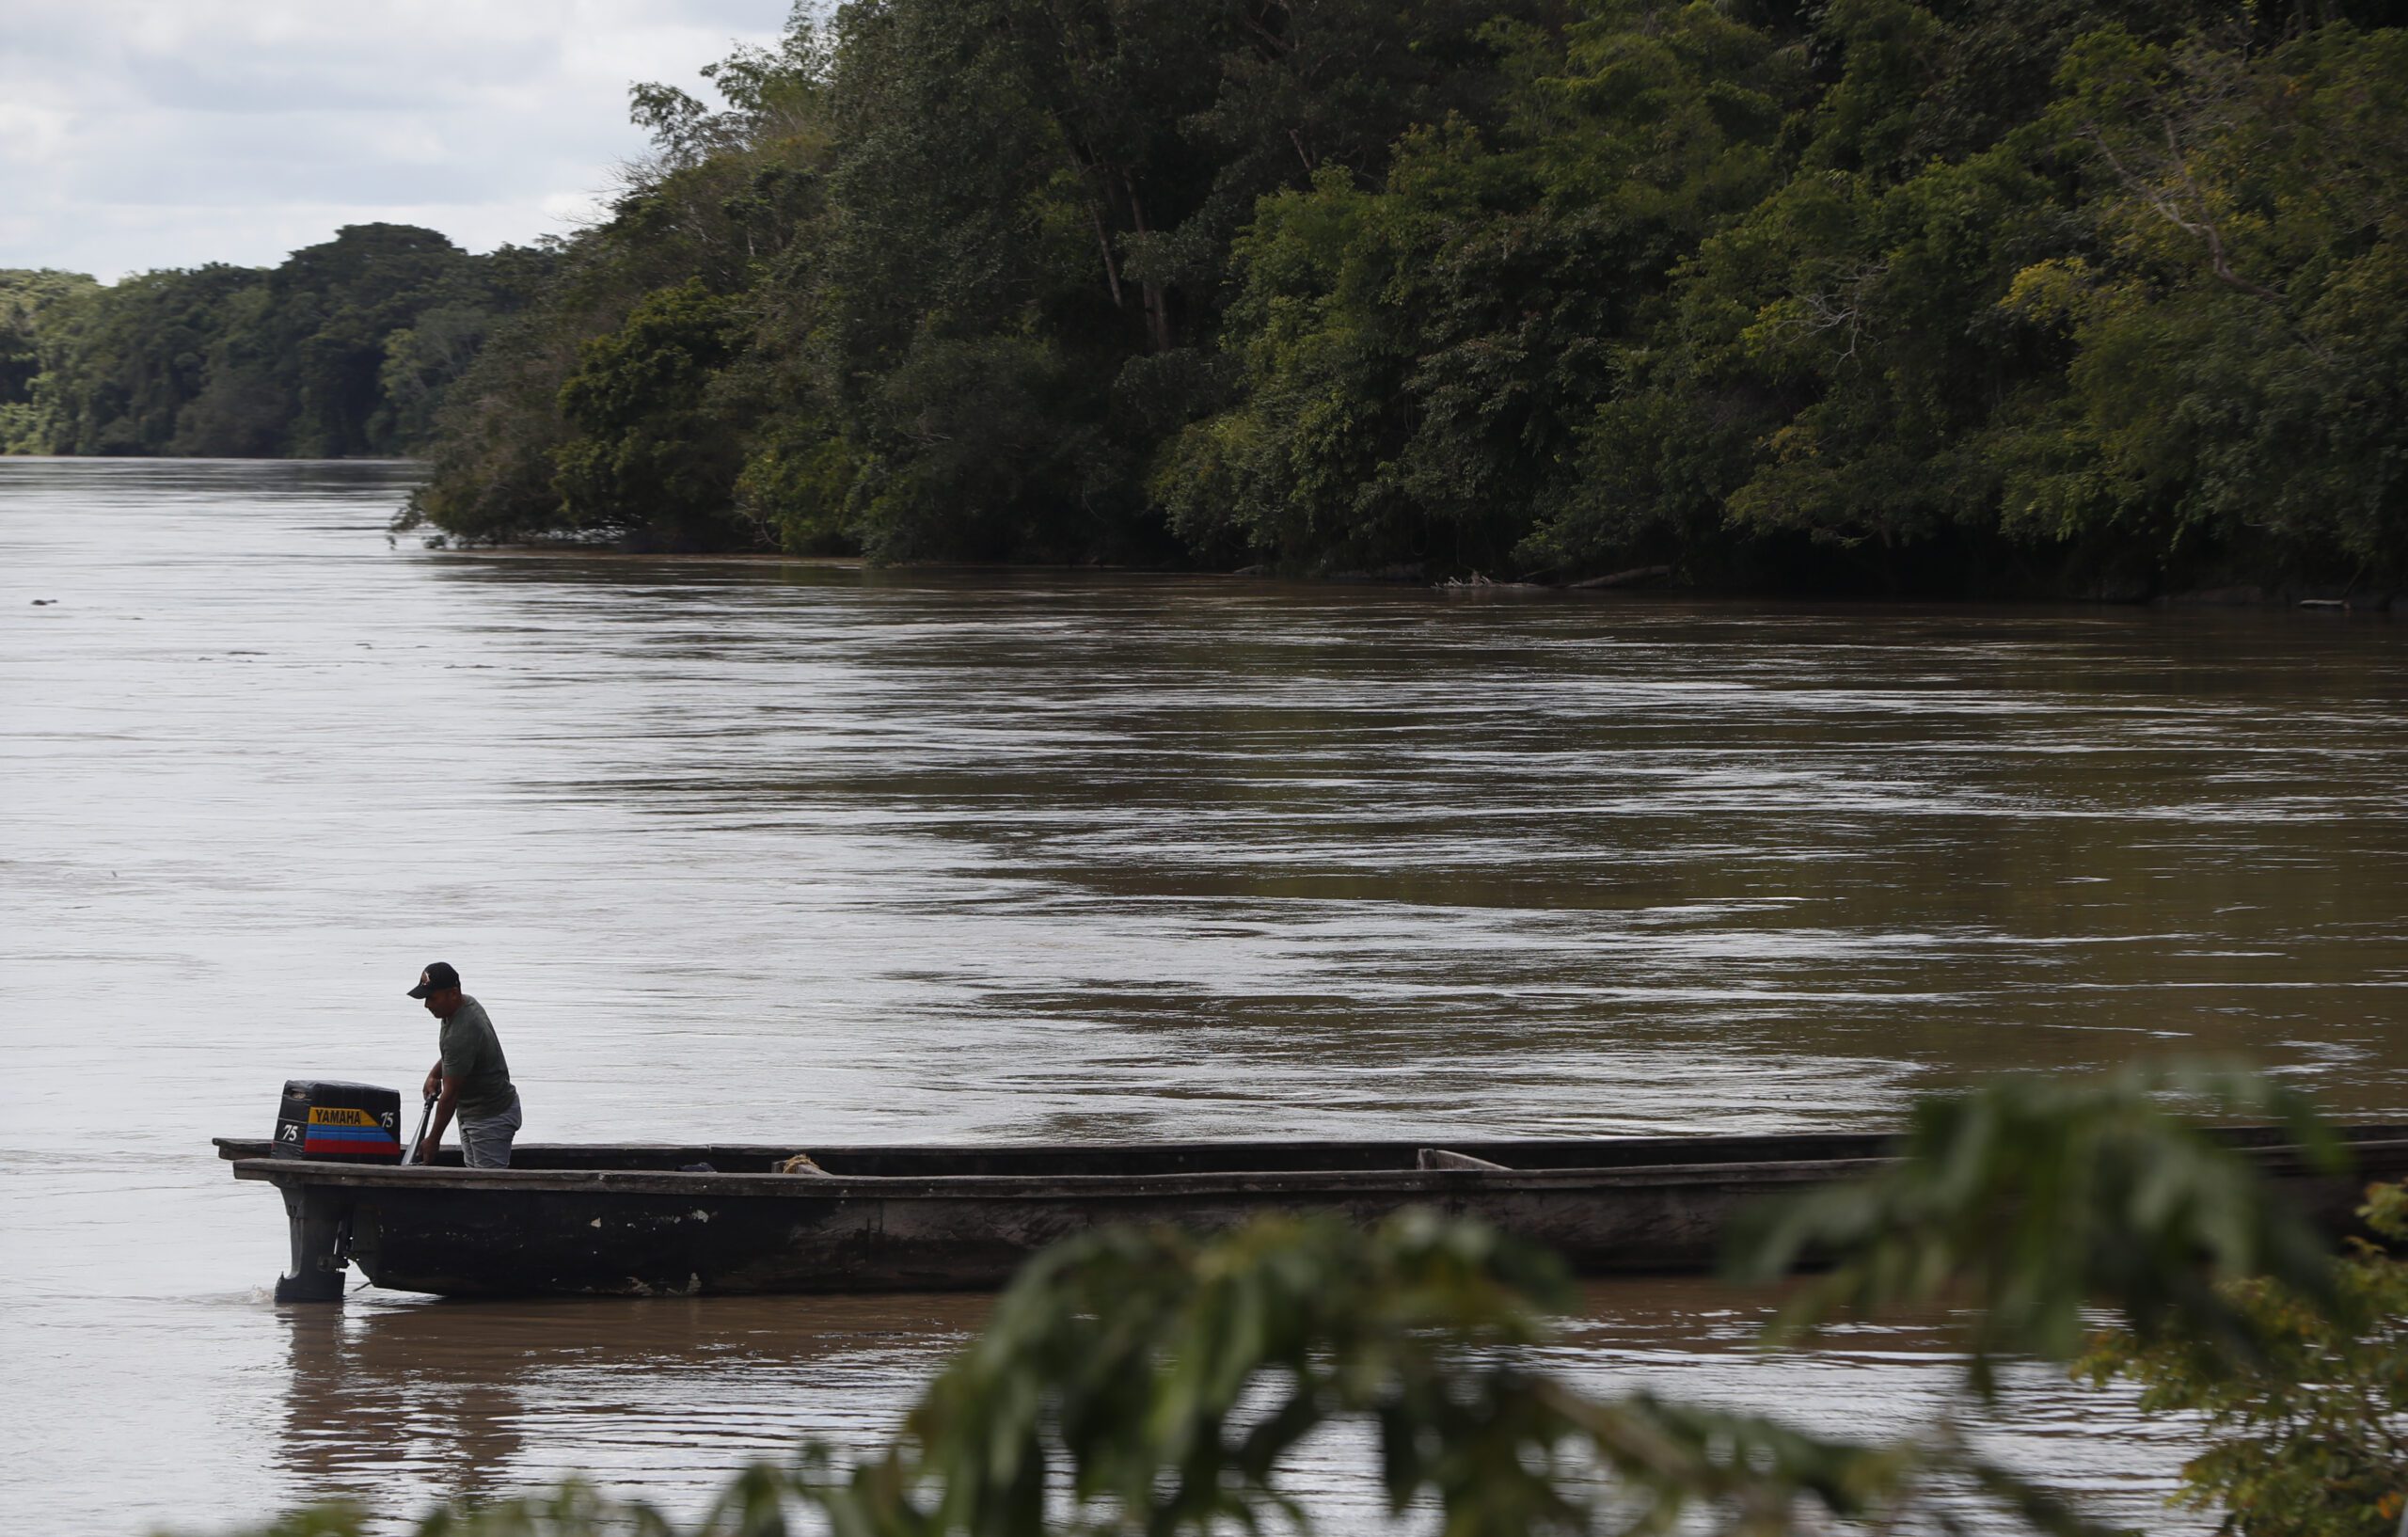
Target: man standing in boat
470	1079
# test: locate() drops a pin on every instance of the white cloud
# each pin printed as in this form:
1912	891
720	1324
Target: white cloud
141	133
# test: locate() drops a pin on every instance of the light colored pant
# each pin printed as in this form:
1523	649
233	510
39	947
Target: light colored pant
485	1144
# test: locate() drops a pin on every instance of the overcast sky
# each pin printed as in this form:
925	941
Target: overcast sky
141	133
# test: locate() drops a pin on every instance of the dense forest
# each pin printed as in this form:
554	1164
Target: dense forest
345	349
1946	296
1962	296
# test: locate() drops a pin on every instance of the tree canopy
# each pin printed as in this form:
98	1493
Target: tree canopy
1874	296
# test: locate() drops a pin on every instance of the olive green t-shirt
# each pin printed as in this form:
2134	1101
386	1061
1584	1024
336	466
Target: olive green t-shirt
473	1053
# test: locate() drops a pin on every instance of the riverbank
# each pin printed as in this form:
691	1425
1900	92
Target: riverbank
1660	581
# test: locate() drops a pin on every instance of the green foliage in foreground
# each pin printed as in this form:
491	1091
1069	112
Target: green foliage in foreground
2307	1437
1153	1382
2041	1197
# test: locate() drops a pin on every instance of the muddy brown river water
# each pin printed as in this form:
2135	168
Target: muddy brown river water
768	852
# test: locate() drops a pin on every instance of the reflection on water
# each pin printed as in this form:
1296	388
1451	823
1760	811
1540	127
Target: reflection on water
421	1402
477	1401
773	851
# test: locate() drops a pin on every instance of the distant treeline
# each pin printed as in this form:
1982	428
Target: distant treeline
346	349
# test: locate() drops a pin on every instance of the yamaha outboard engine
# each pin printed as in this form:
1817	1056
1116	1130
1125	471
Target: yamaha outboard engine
342	1123
338	1123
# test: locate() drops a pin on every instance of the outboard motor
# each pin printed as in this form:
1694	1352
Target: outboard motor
338	1123
342	1123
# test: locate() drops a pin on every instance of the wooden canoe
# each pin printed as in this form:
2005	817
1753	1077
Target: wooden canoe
641	1221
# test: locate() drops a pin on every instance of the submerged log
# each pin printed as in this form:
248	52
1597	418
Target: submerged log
1631	577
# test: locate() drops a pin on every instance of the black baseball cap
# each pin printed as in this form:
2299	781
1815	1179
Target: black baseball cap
434	979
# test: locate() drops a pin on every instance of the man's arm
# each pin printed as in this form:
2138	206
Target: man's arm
446	1101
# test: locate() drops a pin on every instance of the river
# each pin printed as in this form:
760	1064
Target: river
782	851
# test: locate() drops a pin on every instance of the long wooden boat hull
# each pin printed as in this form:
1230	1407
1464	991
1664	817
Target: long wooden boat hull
631	1221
